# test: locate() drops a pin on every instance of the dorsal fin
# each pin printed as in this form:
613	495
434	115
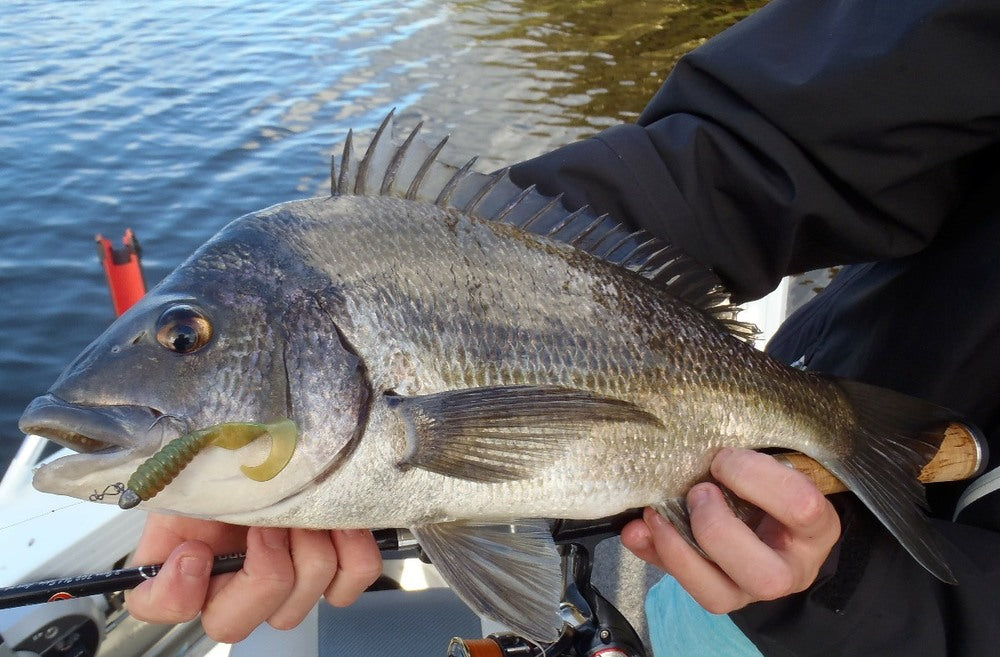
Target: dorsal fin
411	169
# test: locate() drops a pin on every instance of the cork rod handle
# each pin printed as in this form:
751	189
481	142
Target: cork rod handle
960	457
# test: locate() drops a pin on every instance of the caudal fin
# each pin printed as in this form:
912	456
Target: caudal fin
894	438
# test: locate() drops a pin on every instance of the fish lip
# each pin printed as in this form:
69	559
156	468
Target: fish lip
87	428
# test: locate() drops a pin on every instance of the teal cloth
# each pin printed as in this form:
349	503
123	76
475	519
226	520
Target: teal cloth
679	627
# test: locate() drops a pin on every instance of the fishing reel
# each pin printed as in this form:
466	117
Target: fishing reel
72	628
593	627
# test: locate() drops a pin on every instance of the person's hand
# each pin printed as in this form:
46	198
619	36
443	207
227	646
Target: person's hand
782	555
285	572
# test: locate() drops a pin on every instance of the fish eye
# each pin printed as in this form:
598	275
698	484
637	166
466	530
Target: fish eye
183	329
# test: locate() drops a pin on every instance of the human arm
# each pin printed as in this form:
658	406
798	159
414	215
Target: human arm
285	572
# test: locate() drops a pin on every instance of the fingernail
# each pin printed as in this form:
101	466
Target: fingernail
724	453
275	537
354	533
697	497
642	539
654	517
194	566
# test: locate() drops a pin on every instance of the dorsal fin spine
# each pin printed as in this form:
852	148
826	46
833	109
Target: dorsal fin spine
333	175
595	248
578	239
567	220
619	244
506	210
553	202
397	159
634	255
477	198
418	178
361	183
449	188
345	163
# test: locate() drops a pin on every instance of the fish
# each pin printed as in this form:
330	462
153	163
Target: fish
466	359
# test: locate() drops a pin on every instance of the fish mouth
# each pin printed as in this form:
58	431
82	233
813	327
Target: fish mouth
88	428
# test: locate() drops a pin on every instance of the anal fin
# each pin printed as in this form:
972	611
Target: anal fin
507	572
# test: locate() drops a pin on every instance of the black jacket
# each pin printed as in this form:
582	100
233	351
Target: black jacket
822	133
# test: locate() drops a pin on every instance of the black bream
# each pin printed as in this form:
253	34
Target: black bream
453	371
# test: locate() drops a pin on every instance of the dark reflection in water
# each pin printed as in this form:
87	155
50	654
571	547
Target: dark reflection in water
599	61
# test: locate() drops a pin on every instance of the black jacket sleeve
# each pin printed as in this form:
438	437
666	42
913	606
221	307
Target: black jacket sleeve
808	135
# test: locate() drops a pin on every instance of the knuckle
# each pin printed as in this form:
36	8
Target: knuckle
732	464
719	605
362	567
773	584
322	566
283	578
161	609
224	633
341	597
285	621
176	614
810	507
354	583
368	571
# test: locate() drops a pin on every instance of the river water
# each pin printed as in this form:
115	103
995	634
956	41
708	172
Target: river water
174	118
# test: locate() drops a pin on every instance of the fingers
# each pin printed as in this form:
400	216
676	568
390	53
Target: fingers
802	524
162	533
178	592
186	547
743	568
784	493
314	560
239	602
285	574
779	557
359	565
707	583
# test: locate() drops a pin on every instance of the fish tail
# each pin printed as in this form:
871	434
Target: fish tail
894	437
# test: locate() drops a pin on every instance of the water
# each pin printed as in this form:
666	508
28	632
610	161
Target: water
174	118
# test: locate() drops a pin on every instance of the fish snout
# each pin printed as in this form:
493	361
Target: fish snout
87	428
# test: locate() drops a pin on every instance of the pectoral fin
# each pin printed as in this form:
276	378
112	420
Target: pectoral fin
509	573
502	433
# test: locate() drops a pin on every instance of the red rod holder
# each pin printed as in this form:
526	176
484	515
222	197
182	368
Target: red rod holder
123	268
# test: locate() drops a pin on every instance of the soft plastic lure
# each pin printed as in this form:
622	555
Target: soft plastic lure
160	469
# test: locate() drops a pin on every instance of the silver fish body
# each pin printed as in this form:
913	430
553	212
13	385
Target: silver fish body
459	375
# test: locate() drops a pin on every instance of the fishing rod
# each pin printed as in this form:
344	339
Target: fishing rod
961	456
64	588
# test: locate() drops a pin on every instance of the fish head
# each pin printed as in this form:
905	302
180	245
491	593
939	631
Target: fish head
241	332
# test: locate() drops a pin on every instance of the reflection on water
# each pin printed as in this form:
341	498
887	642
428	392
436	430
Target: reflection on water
596	63
175	119
515	79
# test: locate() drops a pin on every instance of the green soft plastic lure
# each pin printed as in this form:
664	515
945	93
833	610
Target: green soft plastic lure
159	470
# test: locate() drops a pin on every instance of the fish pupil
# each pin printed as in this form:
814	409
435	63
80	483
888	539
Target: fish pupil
183	329
184	338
